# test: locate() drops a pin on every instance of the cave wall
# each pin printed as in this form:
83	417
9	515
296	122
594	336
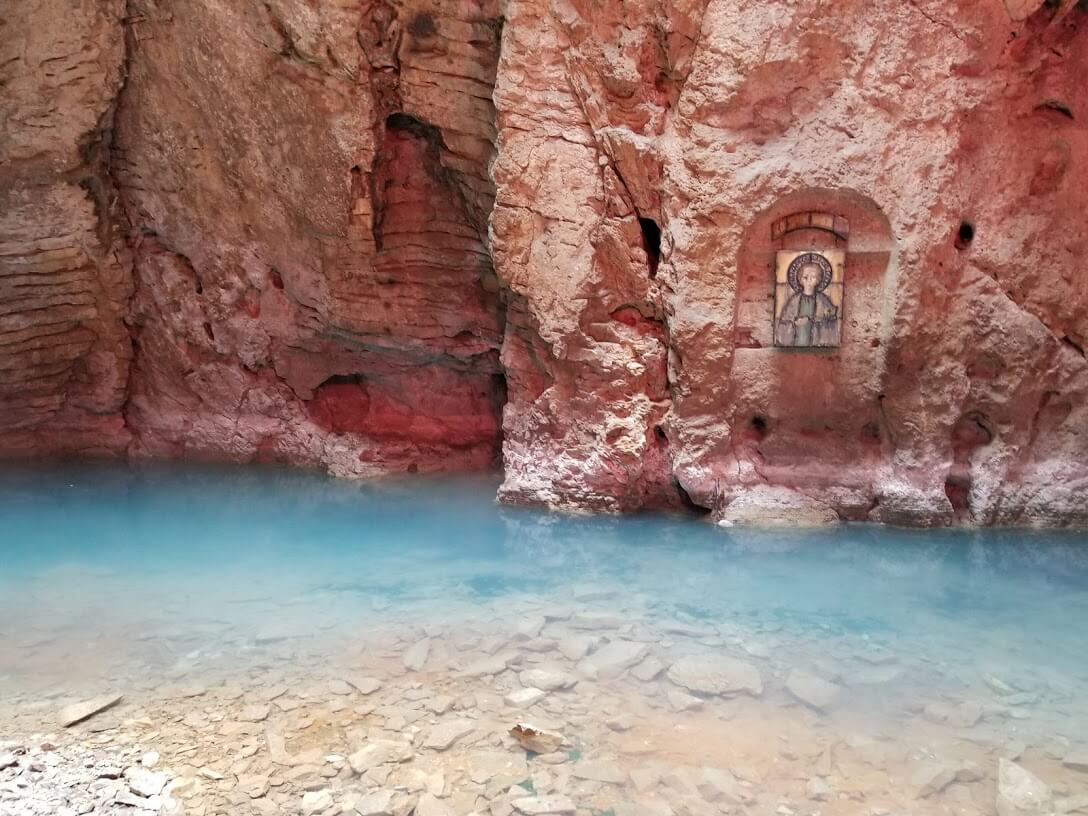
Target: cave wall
287	210
959	392
401	235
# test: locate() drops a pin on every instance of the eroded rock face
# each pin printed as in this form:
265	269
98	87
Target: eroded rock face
343	235
947	135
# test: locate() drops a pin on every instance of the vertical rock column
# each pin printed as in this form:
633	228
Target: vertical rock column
64	276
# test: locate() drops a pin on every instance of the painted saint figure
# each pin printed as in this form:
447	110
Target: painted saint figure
809	317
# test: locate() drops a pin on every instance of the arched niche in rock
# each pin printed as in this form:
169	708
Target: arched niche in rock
818	409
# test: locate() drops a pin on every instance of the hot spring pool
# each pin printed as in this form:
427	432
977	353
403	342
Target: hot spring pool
267	628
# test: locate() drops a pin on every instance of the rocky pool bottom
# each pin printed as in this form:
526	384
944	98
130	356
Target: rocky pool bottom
266	642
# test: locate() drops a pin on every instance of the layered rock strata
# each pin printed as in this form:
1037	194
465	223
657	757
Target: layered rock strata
345	235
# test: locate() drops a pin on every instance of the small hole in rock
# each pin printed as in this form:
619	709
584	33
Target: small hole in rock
651	242
208	331
659	434
758	424
965	234
275	277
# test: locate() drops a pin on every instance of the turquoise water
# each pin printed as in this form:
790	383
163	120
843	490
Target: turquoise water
116	577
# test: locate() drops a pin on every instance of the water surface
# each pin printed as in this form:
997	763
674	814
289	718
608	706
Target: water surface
951	645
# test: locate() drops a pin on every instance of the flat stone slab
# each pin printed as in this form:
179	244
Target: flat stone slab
716	674
78	712
445	734
813	691
541	805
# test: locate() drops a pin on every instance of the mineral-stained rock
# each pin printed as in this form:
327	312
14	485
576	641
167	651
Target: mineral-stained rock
716	674
535	739
1020	792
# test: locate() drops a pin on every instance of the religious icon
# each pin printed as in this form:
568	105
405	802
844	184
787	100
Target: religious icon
808	298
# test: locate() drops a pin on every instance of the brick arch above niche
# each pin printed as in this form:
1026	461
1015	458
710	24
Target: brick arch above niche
817	219
820	407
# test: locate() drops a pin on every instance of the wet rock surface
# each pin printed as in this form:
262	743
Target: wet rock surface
439	741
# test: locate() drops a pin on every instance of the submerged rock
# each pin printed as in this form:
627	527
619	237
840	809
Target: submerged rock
813	691
1020	792
716	674
415	658
613	659
535	739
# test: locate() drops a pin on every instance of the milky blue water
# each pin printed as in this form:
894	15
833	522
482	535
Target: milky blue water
113	574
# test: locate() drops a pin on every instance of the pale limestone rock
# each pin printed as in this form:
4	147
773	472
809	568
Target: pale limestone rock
813	691
375	803
364	685
415	658
254	713
553	805
1020	792
445	734
145	782
379	752
716	674
253	785
613	659
524	697
430	805
547	679
599	771
78	712
648	669
1076	759
314	802
818	790
682	701
932	778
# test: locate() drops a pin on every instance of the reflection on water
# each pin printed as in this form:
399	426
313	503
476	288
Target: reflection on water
881	653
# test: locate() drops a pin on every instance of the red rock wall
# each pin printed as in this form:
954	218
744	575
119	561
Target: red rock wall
959	391
343	234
